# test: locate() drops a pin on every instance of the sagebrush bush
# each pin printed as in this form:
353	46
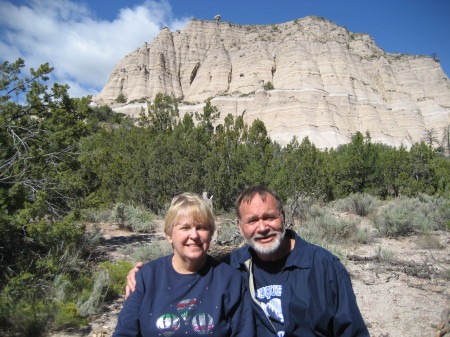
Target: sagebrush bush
149	252
89	241
406	216
361	204
96	296
135	218
428	241
395	221
386	255
96	215
331	229
324	227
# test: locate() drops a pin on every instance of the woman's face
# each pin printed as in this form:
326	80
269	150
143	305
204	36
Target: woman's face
190	239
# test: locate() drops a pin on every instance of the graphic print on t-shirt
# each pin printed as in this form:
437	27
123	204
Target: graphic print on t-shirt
186	307
202	323
168	324
270	299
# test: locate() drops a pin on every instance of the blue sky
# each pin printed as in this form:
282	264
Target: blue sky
83	40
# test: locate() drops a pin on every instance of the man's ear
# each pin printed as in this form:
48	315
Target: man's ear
238	223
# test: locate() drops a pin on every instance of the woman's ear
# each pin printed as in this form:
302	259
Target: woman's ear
169	238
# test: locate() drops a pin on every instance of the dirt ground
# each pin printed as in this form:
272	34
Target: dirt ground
404	297
401	294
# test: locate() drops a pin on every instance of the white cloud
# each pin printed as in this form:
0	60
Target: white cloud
82	48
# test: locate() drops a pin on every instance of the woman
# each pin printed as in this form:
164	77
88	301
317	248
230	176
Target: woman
187	293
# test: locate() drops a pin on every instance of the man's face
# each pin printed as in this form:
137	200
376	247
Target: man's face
261	224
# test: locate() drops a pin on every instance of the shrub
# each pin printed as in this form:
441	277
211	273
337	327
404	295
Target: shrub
428	241
91	239
405	216
96	296
141	220
30	318
268	86
149	252
95	215
134	218
118	213
395	221
228	234
68	316
121	98
25	308
117	274
385	255
332	230
443	215
358	203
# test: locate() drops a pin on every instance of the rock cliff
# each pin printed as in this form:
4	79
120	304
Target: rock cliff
325	82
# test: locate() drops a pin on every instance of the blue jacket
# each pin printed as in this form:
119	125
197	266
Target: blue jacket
317	298
211	302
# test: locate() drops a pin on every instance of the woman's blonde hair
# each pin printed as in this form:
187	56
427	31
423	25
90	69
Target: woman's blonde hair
189	204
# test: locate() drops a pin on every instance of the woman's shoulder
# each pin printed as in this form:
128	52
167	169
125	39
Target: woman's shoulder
155	264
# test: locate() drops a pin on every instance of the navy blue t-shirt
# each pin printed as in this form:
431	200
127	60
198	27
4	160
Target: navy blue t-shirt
268	281
212	301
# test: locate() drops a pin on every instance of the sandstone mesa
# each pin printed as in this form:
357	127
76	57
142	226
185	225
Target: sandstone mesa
328	82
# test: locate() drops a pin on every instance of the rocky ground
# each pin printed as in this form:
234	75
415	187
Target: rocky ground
402	285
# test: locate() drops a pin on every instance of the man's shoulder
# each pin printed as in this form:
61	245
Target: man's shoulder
237	257
225	268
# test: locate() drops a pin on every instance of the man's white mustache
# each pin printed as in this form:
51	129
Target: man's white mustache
265	236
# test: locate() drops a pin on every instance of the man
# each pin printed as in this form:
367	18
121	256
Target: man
298	289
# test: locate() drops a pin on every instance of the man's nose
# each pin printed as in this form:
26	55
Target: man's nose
262	225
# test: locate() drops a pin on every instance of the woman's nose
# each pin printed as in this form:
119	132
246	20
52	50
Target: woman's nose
194	233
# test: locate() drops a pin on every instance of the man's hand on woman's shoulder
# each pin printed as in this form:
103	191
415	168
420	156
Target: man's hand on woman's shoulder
131	279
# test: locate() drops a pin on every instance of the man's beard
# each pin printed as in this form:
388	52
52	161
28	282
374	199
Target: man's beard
267	249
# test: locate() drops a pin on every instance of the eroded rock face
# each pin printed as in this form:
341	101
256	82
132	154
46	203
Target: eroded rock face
328	82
